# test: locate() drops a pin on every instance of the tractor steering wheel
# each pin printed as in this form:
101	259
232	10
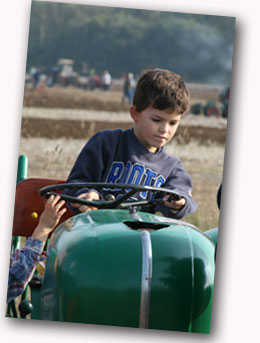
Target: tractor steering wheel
120	202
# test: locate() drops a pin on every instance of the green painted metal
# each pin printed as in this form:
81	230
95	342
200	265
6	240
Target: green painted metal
36	301
213	235
25	308
183	279
93	272
86	264
16	242
11	310
22	169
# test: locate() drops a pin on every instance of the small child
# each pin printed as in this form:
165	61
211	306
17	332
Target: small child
137	155
23	261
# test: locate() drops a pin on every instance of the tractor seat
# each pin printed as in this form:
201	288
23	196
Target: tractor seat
29	205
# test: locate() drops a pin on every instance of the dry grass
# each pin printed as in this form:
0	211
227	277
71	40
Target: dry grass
205	165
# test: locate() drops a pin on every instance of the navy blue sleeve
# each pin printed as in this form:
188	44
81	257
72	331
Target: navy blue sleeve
89	166
180	181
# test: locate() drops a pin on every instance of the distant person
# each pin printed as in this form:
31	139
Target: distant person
126	89
54	75
137	155
132	86
35	76
23	261
107	80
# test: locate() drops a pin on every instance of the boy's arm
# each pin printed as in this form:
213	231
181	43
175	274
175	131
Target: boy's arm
23	261
180	181
22	266
88	167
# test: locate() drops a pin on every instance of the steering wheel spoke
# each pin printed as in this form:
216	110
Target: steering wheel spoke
120	202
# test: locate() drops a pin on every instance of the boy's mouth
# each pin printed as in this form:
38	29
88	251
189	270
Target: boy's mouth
161	138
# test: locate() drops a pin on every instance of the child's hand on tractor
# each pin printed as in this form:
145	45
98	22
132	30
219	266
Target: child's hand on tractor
91	195
175	205
49	218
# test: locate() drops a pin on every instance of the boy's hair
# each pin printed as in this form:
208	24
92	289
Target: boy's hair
161	89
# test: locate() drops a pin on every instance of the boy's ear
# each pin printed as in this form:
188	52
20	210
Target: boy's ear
134	114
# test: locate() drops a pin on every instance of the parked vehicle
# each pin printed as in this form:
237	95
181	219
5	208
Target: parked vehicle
211	108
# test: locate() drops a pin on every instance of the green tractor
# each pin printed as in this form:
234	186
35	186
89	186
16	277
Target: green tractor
116	265
211	108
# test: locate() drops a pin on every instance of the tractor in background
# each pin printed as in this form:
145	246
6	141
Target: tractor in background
211	108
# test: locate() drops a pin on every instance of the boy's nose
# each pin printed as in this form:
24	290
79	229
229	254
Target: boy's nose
163	128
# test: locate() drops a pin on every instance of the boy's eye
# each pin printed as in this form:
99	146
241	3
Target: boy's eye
173	123
155	120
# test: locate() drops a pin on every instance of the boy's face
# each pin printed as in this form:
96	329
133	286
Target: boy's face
154	128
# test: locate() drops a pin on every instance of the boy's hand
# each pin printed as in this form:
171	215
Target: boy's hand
49	218
174	204
91	195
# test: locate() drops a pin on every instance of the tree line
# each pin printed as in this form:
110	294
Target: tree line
199	47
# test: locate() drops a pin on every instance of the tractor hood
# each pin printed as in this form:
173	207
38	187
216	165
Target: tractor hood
113	267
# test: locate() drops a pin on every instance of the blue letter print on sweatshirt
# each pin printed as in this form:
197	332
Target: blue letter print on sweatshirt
136	174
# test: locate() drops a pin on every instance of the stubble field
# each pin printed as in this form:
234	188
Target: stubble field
57	122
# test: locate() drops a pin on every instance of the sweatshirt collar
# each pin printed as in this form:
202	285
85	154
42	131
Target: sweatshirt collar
149	155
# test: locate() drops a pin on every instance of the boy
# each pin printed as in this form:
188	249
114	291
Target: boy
137	156
23	261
